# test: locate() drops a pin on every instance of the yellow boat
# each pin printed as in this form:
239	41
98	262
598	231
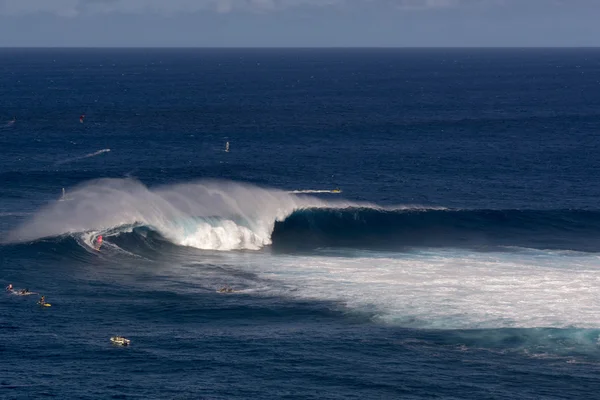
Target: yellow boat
120	340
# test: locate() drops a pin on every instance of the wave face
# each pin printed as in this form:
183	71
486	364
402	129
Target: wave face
207	215
377	228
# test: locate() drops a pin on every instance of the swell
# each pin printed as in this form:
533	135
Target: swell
362	228
577	230
227	216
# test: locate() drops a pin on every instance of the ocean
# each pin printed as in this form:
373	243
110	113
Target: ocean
460	258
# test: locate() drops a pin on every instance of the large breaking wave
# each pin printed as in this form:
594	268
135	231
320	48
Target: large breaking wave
217	215
207	215
441	288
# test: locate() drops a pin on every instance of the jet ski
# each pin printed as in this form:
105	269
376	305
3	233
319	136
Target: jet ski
120	341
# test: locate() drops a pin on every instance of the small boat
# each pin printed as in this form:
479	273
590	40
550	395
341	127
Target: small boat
120	340
336	191
226	289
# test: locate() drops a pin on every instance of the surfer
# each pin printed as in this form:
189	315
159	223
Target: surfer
81	118
9	288
42	301
98	243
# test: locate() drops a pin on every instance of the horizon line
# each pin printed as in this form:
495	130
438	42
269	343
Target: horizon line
295	47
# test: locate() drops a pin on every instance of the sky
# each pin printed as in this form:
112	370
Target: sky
299	23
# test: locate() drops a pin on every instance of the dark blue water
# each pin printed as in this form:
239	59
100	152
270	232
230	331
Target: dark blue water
461	259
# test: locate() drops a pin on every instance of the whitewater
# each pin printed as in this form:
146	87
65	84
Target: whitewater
446	288
215	215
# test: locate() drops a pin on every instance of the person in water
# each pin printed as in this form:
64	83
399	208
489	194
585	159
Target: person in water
9	287
98	242
42	300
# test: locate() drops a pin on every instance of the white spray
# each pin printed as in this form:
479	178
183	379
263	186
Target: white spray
207	214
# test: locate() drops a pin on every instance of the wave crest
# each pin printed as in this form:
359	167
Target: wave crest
218	215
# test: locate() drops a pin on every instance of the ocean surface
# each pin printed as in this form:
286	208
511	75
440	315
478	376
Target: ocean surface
461	259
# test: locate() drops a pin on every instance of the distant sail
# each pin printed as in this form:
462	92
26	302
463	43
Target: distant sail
64	196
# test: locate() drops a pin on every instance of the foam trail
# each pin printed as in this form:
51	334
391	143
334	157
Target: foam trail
447	289
207	214
314	191
97	153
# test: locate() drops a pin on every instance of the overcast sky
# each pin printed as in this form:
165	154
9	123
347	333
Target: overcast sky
307	23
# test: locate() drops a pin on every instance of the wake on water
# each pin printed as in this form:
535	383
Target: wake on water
94	154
